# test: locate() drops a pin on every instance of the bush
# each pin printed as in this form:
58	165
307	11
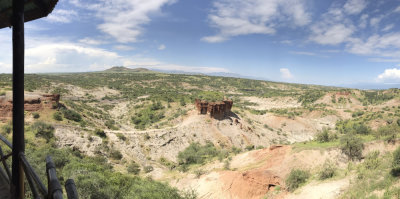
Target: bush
100	133
115	154
35	115
134	168
328	170
148	169
296	178
371	160
352	146
250	147
41	129
236	150
396	158
324	136
57	116
388	132
197	154
199	173
72	115
121	136
6	129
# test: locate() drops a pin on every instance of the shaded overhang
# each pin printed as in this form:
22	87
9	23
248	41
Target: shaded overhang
33	9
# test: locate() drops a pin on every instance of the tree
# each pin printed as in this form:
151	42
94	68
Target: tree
352	146
296	178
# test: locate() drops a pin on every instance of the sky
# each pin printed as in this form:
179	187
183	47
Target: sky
330	42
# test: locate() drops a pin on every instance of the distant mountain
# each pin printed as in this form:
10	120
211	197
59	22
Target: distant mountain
122	69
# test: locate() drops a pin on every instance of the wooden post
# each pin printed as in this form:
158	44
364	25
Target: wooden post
17	185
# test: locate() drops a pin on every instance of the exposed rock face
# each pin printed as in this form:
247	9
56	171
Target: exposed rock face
215	109
32	102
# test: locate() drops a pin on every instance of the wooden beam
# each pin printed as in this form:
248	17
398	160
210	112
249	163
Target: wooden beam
17	183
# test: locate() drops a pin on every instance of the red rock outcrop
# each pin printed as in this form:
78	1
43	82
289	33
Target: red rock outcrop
32	102
215	109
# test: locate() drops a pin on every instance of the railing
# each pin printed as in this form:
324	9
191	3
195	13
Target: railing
54	190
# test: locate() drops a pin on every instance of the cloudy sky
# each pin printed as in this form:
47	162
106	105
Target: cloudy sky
339	42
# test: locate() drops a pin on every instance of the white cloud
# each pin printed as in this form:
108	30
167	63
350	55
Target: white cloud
62	16
363	21
355	6
68	57
91	41
397	9
153	64
392	74
331	35
124	19
123	47
333	28
243	17
388	27
375	21
387	45
285	73
162	47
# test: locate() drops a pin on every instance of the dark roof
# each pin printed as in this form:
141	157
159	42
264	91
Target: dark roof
34	9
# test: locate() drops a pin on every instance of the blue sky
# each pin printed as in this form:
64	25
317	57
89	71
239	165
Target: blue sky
339	42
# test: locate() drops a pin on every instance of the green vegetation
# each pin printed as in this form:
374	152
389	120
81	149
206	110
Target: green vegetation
100	133
352	127
196	153
57	116
6	129
148	116
325	136
328	170
296	178
71	115
134	168
121	136
35	115
310	97
95	178
352	146
41	129
376	178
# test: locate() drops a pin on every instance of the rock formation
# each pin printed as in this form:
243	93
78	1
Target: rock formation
32	102
215	109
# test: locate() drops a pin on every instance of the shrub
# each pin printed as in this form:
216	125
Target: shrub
250	147
388	132
41	129
236	150
134	168
7	128
396	158
148	169
328	170
352	146
296	178
115	154
35	115
57	116
324	136
100	133
199	173
371	160
111	125
121	136
72	115
227	164
197	154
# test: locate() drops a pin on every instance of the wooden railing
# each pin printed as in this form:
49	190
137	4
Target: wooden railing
38	189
